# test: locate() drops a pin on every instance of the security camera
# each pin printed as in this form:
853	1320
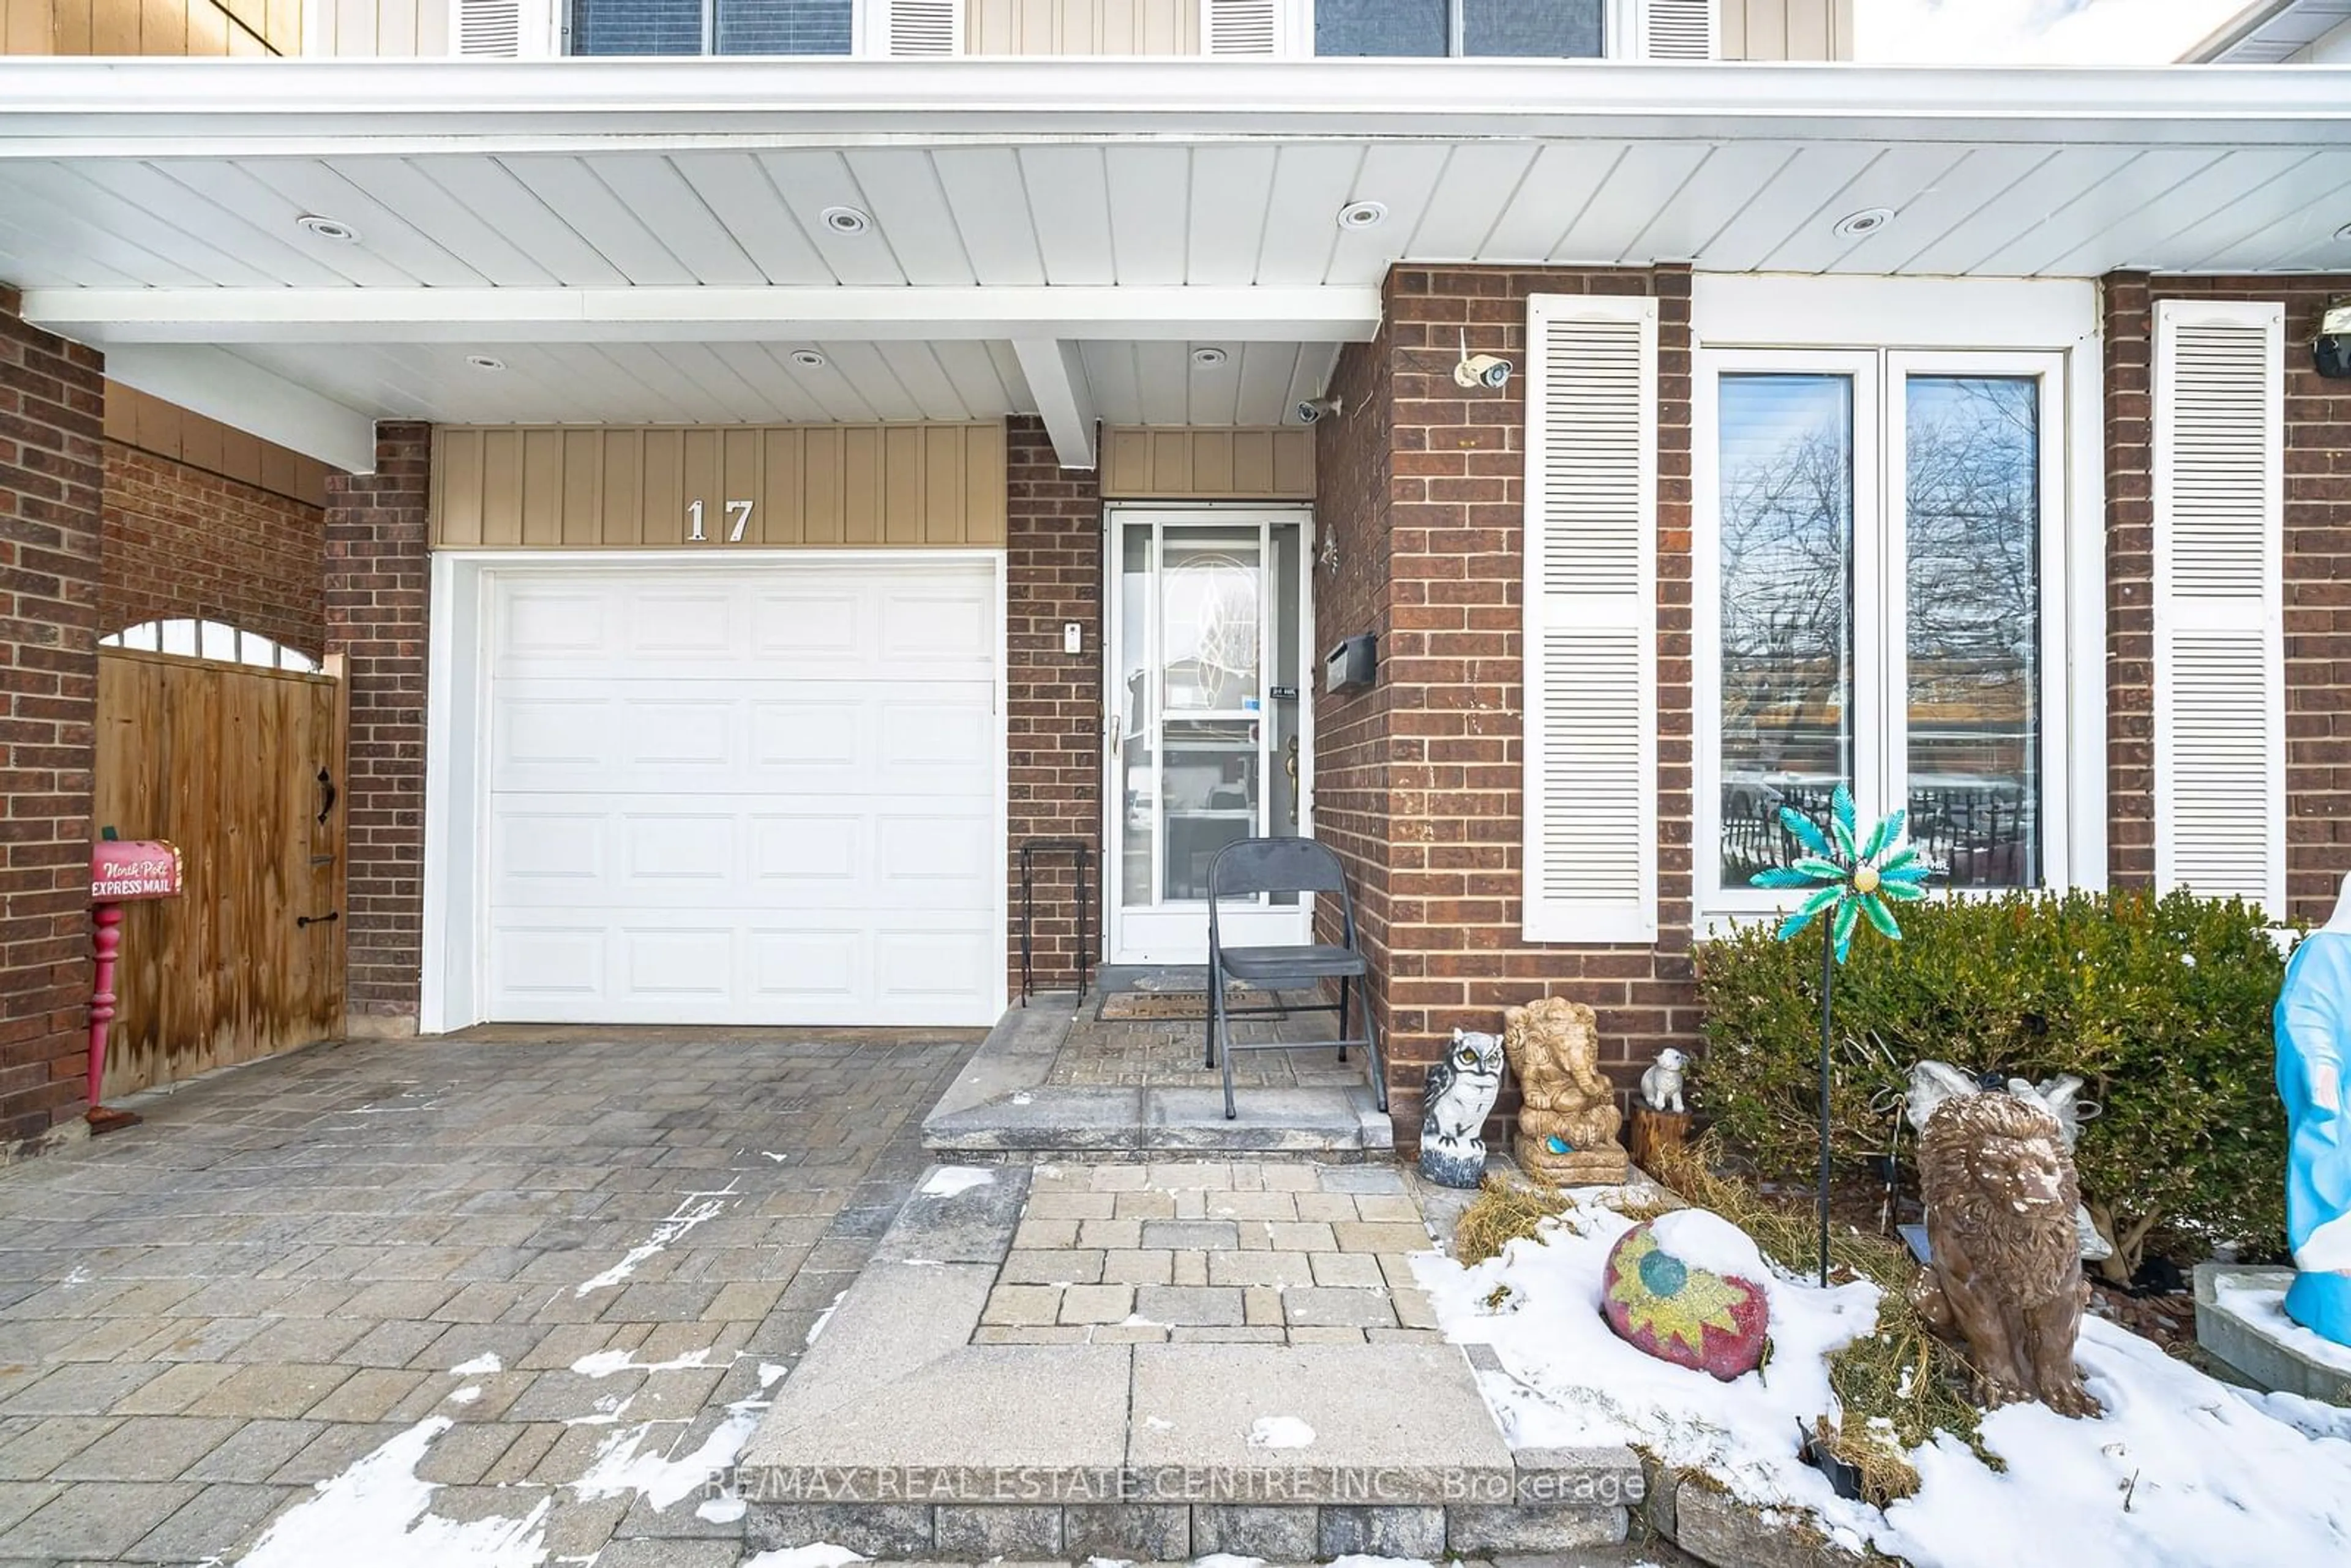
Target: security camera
1308	410
2330	351
1482	371
1479	370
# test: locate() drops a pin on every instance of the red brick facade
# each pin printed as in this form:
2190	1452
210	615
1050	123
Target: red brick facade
2317	584
1430	556
1053	575
52	409
378	561
183	543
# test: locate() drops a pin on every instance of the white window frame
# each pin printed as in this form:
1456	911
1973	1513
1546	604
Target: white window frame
868	34
1884	330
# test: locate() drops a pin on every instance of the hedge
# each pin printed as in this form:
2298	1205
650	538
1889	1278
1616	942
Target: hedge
2161	1004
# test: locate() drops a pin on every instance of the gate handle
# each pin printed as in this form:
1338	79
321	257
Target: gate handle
327	802
302	920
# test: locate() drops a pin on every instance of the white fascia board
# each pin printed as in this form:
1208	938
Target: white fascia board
242	397
60	107
1064	398
1334	314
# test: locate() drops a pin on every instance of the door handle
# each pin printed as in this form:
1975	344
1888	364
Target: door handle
301	920
326	795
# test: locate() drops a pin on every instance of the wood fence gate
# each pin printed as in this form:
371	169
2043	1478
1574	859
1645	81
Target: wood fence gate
241	767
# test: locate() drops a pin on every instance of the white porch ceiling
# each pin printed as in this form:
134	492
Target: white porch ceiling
643	241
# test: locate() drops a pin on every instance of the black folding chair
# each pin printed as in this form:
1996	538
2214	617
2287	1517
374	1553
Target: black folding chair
1251	866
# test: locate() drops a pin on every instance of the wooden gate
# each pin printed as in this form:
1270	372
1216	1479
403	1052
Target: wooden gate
241	767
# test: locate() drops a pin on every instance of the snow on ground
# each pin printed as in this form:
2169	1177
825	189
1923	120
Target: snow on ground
373	1515
948	1180
623	1463
1280	1432
681	1219
819	1554
2180	1472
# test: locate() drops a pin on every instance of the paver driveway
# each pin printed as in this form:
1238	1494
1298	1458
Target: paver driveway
549	1274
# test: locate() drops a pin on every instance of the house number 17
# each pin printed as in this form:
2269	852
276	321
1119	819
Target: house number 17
739	517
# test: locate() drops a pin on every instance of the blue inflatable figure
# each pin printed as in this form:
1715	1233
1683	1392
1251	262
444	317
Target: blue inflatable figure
2313	1041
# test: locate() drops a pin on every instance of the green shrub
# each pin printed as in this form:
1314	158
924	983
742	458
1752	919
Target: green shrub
2161	1005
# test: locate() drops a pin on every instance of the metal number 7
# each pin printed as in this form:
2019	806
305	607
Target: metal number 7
739	512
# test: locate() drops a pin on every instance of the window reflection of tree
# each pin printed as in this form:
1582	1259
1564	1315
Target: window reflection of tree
1973	566
1971	548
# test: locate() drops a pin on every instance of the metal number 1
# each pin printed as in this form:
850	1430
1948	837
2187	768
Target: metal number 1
693	515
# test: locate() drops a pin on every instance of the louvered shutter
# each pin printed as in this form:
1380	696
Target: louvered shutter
914	29
1677	29
2220	643
1241	26
1590	643
503	29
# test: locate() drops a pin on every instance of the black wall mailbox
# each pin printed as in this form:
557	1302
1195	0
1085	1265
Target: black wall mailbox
1353	664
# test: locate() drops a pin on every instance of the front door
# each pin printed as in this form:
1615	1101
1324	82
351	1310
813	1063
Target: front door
1207	731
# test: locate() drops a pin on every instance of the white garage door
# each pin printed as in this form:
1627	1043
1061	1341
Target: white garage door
756	793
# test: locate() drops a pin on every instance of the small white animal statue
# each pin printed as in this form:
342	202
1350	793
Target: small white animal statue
1462	1087
1661	1085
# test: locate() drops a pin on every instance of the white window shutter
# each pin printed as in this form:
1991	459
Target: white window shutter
1241	26
914	29
2220	635
1591	628
502	29
1678	29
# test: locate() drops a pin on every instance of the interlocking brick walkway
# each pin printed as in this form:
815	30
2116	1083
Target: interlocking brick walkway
1232	1252
549	1272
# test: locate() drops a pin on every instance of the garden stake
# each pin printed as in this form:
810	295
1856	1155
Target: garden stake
1853	879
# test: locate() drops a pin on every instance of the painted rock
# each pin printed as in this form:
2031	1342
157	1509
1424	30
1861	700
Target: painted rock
1665	1304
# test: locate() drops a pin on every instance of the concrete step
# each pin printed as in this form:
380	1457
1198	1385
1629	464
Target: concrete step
1002	1107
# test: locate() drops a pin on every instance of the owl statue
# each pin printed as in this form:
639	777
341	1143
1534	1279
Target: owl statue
1462	1085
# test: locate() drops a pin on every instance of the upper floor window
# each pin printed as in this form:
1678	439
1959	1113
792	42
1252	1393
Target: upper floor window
711	26
1543	29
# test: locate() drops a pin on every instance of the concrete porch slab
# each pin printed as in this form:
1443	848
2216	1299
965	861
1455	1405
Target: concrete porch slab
1004	1106
1314	1423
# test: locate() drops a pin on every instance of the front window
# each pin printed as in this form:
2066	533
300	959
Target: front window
1879	609
711	26
1541	29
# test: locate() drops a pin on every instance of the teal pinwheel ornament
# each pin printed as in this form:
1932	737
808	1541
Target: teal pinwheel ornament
1851	878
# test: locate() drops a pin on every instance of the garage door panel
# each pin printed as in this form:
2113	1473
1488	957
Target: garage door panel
763	796
698	627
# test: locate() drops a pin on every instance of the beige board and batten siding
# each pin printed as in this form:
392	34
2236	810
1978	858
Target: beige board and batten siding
1084	26
813	486
396	27
1203	464
1787	29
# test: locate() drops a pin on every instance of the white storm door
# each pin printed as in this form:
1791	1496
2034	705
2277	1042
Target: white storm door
1208	726
766	793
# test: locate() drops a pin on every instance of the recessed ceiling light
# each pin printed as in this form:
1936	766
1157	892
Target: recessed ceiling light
808	359
327	228
1868	221
846	220
1362	214
485	363
1208	357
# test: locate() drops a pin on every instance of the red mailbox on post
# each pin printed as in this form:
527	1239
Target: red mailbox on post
120	870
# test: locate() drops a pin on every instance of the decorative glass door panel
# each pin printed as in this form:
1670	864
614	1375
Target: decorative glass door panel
1206	727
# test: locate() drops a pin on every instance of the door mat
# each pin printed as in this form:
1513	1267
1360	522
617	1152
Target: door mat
1191	1005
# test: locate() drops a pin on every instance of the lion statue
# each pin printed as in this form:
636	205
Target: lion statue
2006	1283
1568	1118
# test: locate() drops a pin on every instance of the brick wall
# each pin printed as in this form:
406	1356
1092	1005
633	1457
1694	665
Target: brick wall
52	409
1449	699
377	559
183	543
2318	583
1053	576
